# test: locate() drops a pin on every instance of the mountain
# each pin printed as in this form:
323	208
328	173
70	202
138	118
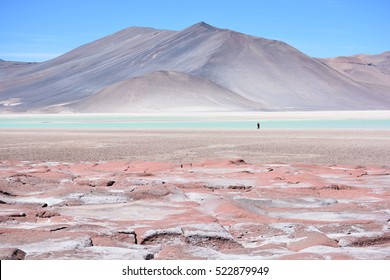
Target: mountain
368	69
165	91
200	68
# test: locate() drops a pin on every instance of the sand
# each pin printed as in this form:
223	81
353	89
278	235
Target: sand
358	147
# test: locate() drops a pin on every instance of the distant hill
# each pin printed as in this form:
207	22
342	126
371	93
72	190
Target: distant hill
367	69
200	68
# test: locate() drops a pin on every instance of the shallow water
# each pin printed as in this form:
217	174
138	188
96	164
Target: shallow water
179	122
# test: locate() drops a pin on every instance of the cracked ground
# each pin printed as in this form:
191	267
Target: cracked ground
215	209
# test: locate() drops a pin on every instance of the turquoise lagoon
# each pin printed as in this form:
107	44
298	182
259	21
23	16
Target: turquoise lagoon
179	122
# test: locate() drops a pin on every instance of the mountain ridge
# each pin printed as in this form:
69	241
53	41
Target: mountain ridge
269	74
364	68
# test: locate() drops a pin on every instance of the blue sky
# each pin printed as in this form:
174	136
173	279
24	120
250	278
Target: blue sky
38	30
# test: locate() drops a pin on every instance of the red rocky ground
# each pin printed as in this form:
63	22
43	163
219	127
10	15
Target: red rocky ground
210	210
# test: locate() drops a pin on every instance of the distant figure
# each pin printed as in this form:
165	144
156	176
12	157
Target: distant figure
258	125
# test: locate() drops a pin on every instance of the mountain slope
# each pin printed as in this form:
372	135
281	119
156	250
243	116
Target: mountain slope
164	91
136	68
367	69
282	78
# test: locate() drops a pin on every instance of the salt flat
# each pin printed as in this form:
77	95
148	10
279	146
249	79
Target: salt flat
214	209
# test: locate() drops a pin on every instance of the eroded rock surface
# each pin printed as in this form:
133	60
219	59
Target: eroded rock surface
216	209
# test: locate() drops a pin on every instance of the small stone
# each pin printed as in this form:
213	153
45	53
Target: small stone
149	257
127	231
20	214
46	214
110	183
12	254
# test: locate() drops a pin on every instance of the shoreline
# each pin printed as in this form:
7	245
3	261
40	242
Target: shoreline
262	115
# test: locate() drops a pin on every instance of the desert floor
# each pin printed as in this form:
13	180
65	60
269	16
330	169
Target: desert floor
187	194
182	146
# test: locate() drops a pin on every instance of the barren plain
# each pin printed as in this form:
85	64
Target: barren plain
193	194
